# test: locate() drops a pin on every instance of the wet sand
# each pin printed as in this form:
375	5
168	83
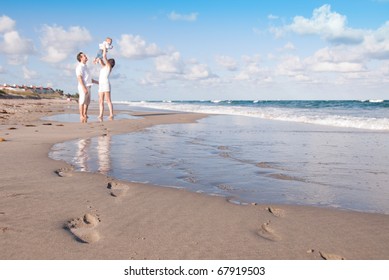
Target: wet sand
49	211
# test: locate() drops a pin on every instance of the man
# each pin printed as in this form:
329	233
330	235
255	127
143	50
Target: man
84	84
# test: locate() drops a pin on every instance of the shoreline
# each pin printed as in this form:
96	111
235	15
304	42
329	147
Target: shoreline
48	211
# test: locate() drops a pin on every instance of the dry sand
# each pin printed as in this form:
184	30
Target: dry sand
48	211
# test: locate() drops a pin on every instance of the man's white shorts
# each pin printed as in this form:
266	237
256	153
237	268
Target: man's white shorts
84	98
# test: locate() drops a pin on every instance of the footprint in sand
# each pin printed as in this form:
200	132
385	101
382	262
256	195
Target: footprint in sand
276	211
117	189
4	229
63	172
84	228
266	232
327	256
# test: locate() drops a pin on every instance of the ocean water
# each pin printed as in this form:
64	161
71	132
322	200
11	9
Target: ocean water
366	114
318	153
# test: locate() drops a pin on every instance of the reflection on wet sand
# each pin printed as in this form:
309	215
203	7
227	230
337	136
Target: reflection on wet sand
103	153
82	153
85	152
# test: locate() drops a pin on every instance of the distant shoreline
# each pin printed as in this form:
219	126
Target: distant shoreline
8	94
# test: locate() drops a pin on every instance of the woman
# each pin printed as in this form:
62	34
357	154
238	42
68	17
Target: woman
104	85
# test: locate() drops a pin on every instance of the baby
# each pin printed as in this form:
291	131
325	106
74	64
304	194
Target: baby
107	44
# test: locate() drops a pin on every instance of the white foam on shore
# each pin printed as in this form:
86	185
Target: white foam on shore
318	117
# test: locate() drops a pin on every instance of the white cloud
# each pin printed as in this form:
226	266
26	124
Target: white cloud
182	17
332	27
227	62
16	48
376	44
252	69
272	17
17	59
199	72
134	47
289	46
29	74
68	69
347	59
290	66
152	79
13	44
332	60
6	24
337	67
294	68
318	67
329	25
59	43
384	69
170	67
302	78
171	63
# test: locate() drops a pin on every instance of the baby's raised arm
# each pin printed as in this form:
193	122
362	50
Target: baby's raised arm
104	61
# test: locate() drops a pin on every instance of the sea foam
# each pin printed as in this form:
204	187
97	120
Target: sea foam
331	113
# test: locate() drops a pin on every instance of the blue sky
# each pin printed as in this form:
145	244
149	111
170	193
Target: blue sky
203	49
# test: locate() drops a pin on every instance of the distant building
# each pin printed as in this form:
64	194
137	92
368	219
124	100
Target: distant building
33	89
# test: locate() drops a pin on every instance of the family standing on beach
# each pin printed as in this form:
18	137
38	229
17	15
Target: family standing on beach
85	81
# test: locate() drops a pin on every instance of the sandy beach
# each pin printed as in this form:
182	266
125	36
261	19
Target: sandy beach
49	211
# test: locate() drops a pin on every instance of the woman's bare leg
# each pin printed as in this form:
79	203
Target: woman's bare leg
109	103
101	105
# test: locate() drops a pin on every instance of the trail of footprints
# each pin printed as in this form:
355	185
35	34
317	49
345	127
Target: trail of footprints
267	232
85	228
